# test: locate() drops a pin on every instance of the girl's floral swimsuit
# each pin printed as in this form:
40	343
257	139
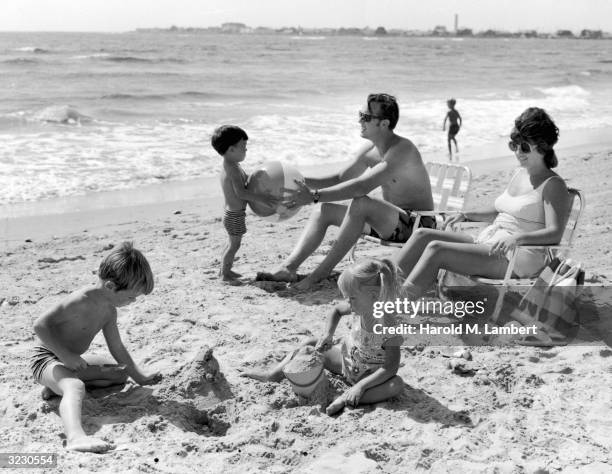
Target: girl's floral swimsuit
363	352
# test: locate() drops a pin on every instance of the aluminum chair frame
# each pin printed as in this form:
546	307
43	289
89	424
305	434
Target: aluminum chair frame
576	211
450	185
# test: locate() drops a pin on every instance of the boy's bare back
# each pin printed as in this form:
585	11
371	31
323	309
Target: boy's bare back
76	320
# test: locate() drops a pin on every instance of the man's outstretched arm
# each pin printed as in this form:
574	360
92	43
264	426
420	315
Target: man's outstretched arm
380	174
360	163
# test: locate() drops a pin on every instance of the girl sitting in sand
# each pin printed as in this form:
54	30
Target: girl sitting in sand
368	359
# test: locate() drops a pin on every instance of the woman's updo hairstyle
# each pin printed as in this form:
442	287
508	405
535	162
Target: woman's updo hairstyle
536	126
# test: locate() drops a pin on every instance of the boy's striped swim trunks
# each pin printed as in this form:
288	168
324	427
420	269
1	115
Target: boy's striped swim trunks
39	359
235	222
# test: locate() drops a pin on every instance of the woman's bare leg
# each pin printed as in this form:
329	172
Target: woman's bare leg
411	252
463	258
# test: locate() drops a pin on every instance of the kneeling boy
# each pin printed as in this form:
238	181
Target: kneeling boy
66	331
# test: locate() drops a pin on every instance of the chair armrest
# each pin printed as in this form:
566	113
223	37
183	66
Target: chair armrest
469	225
433	213
422	213
547	247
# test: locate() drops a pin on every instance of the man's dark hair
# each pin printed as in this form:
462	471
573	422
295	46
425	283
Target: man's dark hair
535	125
388	107
226	136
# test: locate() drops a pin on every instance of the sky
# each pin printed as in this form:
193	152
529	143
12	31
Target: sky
127	15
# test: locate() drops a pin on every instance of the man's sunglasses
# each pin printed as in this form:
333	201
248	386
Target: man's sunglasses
363	117
523	146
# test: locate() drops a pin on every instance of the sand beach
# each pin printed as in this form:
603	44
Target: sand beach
524	410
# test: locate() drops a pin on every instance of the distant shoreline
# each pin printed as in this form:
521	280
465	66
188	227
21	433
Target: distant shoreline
381	32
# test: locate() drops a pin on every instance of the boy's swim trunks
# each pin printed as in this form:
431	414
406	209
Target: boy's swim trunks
235	221
39	360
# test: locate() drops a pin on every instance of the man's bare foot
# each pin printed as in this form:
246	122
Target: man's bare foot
231	278
46	393
89	444
229	275
232	282
280	274
335	406
307	283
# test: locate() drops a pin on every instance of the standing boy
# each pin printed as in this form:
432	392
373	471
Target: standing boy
230	142
66	331
455	121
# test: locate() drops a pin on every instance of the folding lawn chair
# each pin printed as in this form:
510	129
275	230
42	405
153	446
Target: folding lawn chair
450	185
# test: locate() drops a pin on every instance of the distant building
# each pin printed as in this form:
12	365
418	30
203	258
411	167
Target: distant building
380	31
464	32
290	30
591	34
565	34
495	34
439	31
350	32
262	30
235	28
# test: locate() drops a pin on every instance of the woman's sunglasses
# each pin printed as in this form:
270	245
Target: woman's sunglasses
363	117
523	146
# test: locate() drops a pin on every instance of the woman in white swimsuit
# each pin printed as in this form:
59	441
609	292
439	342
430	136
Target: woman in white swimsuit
532	210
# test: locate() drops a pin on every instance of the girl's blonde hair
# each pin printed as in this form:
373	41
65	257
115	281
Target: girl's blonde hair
374	273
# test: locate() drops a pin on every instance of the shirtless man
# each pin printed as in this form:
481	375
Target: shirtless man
389	161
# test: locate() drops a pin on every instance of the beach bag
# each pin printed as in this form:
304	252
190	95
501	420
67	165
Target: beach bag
551	304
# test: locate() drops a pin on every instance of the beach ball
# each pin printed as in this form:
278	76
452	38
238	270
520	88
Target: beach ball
271	178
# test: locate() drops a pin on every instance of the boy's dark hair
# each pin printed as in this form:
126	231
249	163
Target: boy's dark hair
127	268
226	136
451	102
388	107
535	125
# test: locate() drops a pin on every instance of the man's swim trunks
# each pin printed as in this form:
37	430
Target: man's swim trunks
39	360
235	222
453	129
404	227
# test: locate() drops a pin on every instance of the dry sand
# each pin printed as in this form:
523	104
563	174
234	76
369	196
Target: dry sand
525	410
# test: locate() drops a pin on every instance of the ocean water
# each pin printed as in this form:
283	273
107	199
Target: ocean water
81	113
